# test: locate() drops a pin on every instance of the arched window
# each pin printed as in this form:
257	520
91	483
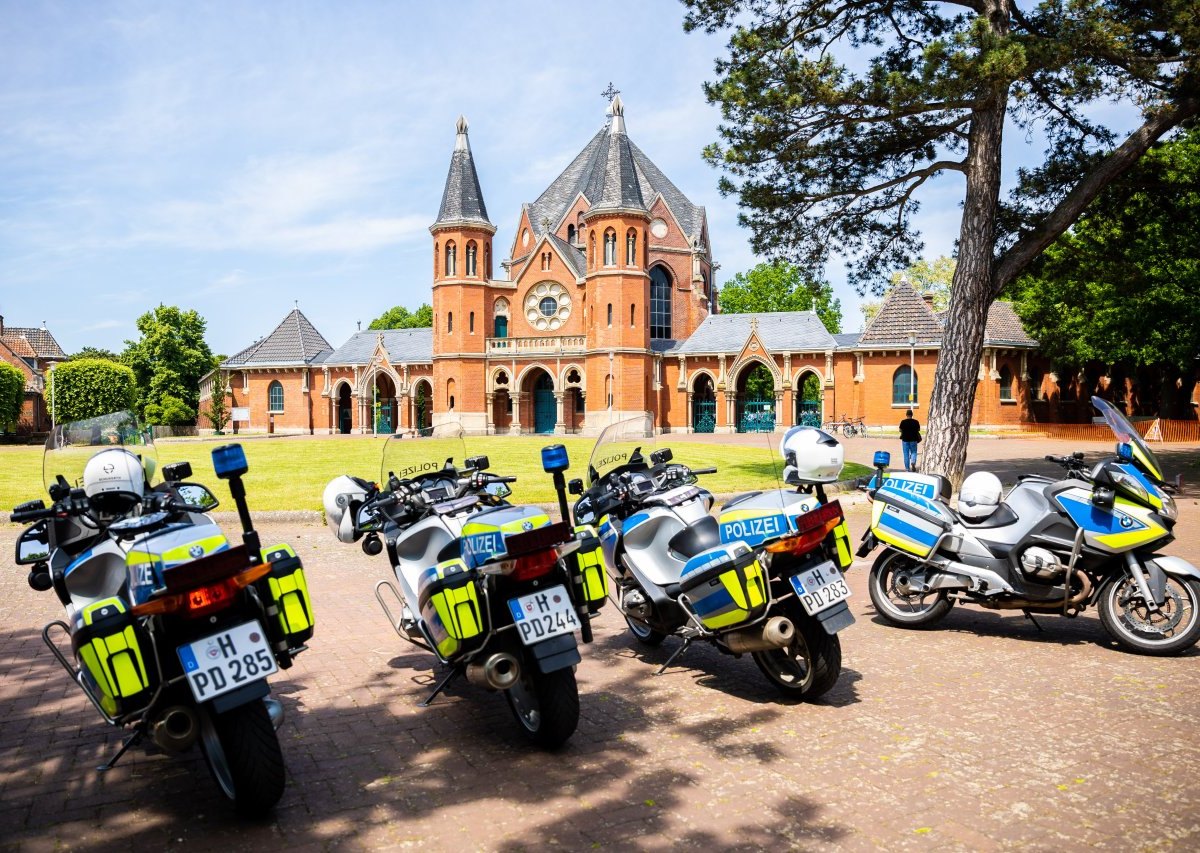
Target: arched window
450	394
571	234
449	321
592	251
610	248
451	258
632	314
1035	383
631	248
608	389
1006	383
610	315
471	258
437	254
660	303
471	323
487	260
901	387
501	326
275	397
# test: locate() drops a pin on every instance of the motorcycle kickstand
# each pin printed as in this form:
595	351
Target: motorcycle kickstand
675	654
441	685
133	738
1029	616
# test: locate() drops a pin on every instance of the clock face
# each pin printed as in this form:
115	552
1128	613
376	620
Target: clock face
547	306
658	228
525	237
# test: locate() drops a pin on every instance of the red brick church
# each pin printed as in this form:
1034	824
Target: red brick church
605	307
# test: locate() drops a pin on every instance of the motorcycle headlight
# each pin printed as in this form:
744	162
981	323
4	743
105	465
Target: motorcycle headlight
1169	509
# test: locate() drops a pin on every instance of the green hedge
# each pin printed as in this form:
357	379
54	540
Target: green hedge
89	387
12	395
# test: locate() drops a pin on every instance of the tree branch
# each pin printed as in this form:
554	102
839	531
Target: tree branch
1029	246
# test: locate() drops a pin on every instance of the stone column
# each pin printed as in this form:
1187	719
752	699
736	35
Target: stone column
560	424
691	413
489	407
517	399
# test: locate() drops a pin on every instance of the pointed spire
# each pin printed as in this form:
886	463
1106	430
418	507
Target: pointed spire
618	114
462	199
614	184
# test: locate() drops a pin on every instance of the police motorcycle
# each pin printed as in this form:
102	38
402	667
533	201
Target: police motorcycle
1050	546
495	592
173	631
762	578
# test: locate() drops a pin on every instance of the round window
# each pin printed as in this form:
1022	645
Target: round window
548	306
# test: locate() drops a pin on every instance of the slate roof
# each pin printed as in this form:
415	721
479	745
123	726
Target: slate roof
462	199
41	341
780	331
847	340
574	256
404	346
295	341
596	166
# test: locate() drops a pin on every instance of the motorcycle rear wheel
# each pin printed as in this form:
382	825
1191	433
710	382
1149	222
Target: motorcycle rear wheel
546	705
644	634
809	666
1175	628
906	611
243	754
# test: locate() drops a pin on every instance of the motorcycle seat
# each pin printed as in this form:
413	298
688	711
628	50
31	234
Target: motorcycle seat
737	499
701	536
1002	517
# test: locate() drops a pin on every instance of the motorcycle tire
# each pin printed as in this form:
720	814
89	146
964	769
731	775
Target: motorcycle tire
546	705
921	611
809	666
1183	600
243	755
644	634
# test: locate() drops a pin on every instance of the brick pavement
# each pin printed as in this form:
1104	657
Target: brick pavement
981	734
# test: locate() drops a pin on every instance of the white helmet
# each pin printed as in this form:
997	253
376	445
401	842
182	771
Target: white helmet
114	481
342	498
979	495
811	456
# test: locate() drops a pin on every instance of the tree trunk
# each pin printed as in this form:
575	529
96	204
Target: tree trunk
971	295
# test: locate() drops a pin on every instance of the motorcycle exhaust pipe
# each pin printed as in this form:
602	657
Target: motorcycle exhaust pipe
1056	606
176	729
499	671
776	634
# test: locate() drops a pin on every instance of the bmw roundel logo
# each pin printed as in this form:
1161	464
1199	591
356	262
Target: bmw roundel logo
196	551
1126	522
527	525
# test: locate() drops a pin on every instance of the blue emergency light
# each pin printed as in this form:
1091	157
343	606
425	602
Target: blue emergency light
554	459
229	460
1125	452
882	459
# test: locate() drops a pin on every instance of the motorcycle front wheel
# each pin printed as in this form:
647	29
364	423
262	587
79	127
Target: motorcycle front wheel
546	705
894	602
809	666
1174	628
243	754
644	634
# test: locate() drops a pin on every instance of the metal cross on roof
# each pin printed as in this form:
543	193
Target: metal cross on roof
610	93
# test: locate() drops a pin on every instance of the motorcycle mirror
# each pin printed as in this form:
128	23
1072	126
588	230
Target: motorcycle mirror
658	457
575	487
177	471
196	496
477	463
33	545
498	490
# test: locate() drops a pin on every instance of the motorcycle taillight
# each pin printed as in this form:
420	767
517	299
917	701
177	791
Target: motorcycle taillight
811	530
535	565
201	600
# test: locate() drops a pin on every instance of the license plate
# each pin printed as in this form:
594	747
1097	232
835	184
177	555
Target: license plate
820	588
544	614
226	660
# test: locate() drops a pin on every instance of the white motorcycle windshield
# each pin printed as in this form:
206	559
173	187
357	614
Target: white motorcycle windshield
1127	433
70	445
625	443
416	452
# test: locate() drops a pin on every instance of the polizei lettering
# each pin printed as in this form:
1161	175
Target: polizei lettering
419	468
601	464
923	490
483	545
754	529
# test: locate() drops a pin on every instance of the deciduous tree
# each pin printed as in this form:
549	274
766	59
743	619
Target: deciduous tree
89	387
400	317
837	112
169	360
780	286
12	396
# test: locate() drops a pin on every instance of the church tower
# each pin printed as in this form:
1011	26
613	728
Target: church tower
620	365
462	267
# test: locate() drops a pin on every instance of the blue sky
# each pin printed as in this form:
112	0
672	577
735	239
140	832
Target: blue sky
234	157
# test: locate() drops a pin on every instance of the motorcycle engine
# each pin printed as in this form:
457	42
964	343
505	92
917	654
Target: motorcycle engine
635	604
1042	565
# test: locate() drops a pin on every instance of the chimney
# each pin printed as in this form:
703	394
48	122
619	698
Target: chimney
928	297
1	324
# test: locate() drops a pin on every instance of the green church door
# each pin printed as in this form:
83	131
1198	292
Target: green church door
545	409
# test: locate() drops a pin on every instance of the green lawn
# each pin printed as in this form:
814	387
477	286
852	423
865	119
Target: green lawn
289	473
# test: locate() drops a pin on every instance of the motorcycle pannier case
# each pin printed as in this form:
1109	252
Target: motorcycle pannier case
115	657
909	513
591	566
449	604
287	590
725	585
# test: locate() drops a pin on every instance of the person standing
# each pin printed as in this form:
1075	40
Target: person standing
910	436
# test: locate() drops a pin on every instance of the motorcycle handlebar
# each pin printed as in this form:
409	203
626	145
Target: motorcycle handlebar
33	514
710	470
